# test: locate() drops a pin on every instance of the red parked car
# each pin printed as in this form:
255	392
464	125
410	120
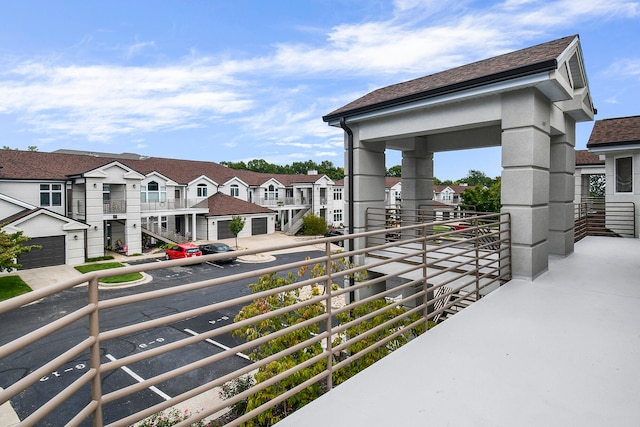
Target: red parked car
182	250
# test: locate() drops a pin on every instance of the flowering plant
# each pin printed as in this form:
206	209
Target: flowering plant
170	418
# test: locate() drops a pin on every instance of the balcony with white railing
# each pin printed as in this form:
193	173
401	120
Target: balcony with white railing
188	205
283	201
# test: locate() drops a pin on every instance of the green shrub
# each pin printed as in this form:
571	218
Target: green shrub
235	387
313	225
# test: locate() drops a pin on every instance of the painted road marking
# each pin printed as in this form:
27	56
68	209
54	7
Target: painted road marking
140	379
213	322
217	344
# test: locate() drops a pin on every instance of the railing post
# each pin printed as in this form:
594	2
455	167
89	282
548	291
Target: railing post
426	299
94	353
476	224
328	309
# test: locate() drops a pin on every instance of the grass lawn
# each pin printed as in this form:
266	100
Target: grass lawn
123	278
11	286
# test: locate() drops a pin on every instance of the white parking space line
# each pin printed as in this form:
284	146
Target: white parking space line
214	264
140	379
217	344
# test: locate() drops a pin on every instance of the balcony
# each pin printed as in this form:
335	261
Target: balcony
285	201
198	205
561	350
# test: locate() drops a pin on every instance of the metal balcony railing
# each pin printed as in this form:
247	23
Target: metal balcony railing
285	201
174	204
114	206
447	268
597	217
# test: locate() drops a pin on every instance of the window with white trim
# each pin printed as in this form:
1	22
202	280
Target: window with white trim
271	193
337	194
202	190
234	190
50	194
153	192
624	175
337	215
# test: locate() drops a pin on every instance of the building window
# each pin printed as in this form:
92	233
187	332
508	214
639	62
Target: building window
337	215
337	194
624	175
153	193
202	190
50	194
271	193
235	190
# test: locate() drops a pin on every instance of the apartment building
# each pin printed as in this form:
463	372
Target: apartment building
80	204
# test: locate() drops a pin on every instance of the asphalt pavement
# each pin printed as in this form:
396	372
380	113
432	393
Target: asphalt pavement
41	277
38	278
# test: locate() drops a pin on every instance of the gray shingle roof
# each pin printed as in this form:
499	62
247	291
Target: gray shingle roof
16	164
615	131
532	60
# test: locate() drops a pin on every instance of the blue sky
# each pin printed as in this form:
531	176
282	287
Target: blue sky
241	80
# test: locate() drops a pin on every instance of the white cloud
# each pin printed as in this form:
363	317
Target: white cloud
265	94
623	68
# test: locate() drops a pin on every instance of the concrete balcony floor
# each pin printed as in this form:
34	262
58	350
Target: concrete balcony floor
563	350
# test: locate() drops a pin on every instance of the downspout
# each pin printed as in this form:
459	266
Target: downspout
350	189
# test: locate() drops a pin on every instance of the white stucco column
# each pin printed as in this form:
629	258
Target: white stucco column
525	179
193	227
561	190
368	179
417	177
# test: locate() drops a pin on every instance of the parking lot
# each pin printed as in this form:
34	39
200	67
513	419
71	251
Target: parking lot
20	364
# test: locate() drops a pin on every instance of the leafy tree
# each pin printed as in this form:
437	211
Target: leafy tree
395	171
313	225
477	178
11	246
285	299
597	185
262	166
372	356
276	345
235	165
483	199
236	225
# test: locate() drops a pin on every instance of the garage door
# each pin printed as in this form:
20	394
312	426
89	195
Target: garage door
52	252
223	230
258	226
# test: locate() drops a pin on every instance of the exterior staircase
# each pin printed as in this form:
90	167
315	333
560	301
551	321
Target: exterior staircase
296	222
164	235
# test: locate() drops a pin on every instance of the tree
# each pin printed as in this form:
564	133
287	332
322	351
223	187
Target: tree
395	171
313	225
11	246
236	225
477	178
483	199
597	185
276	323
276	345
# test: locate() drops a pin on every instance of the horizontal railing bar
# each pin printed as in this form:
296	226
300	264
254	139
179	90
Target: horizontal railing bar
43	331
48	367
